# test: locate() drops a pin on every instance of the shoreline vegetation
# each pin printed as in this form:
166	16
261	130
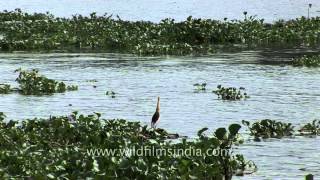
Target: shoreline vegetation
307	61
20	31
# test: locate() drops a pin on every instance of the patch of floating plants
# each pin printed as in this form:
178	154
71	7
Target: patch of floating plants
92	80
67	147
5	89
308	61
230	93
312	128
21	31
200	86
269	129
32	83
111	94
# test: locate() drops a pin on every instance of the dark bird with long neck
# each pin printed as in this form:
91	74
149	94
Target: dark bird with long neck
156	115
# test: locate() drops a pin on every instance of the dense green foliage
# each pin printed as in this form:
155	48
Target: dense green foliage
269	129
230	93
308	61
4	88
2	116
32	83
312	128
23	31
58	148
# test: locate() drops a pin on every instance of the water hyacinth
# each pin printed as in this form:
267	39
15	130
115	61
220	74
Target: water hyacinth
43	32
2	116
5	89
308	61
312	128
269	129
111	94
60	148
32	83
200	86
230	93
72	88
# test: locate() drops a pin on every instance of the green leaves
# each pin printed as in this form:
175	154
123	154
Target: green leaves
267	128
308	61
230	93
2	116
111	94
234	129
5	89
246	123
32	83
95	166
312	128
200	86
36	32
58	148
223	134
220	133
202	131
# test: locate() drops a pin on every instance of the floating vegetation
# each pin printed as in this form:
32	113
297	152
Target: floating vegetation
92	80
230	93
111	94
32	83
269	129
200	87
308	61
72	88
2	116
37	32
68	147
5	89
312	128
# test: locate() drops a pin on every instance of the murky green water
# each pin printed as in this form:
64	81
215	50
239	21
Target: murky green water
277	92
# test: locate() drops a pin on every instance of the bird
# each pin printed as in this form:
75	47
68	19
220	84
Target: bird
156	115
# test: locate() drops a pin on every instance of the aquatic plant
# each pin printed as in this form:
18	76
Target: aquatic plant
5	89
312	128
111	94
308	61
92	80
230	93
309	177
2	116
32	83
269	129
200	86
67	147
42	32
72	88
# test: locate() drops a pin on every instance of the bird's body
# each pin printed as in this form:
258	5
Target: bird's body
156	115
155	119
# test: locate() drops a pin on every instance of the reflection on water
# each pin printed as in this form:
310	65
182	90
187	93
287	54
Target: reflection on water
277	92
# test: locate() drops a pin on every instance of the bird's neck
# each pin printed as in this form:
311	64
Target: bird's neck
158	106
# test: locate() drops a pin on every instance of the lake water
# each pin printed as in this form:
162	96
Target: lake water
155	10
277	92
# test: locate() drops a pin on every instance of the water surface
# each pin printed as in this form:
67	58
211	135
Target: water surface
277	92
